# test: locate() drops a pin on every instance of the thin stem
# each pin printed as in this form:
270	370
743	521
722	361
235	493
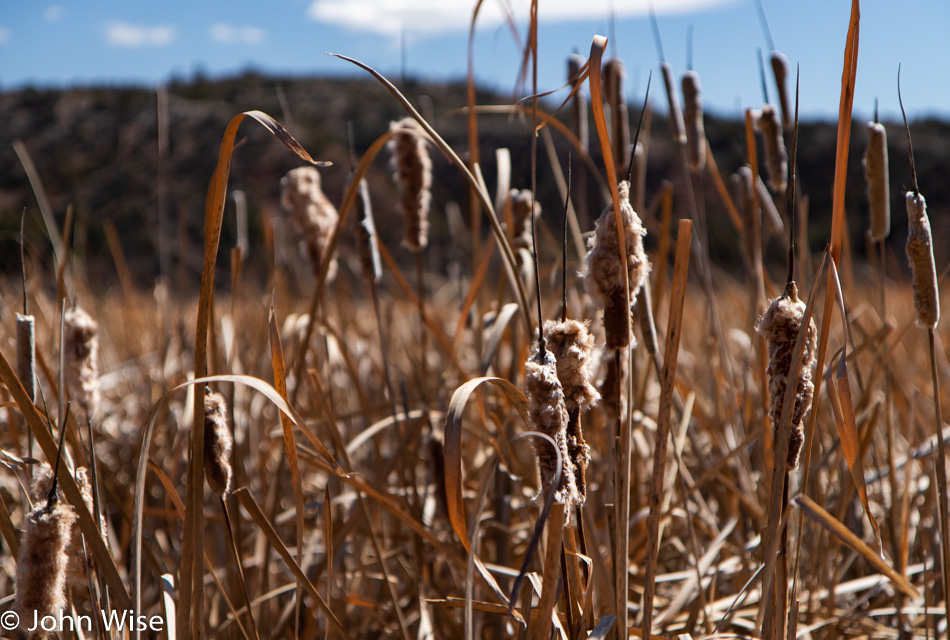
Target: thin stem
23	261
765	24
910	145
791	192
237	562
941	464
567	203
765	86
636	136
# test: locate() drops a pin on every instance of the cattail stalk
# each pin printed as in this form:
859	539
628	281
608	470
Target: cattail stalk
879	192
575	63
312	215
921	257
412	171
617	104
780	71
81	353
776	165
218	441
677	126
26	353
604	275
693	112
524	208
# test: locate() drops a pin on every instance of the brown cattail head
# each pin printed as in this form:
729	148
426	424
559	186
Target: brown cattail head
780	326
879	191
744	189
522	204
412	171
677	126
547	413
576	62
42	563
311	213
217	443
604	276
81	347
780	71
572	345
613	74
367	238
26	353
695	131
776	165
920	253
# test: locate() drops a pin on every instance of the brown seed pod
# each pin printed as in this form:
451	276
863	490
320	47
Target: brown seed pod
776	165
547	413
693	111
412	171
604	275
879	191
780	326
780	71
613	74
743	188
920	253
42	564
81	351
218	443
576	62
26	353
311	213
677	126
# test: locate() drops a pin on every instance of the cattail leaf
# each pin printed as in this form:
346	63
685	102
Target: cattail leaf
541	619
8	530
452	446
290	446
484	261
88	524
168	604
839	530
260	519
604	626
502	320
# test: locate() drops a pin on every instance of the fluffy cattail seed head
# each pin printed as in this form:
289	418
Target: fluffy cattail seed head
695	131
81	346
524	207
876	171
311	213
26	353
412	171
604	275
613	74
217	443
780	326
547	413
572	345
42	563
776	165
920	253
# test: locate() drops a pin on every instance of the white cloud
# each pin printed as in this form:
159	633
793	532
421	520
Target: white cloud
228	34
4	35
123	34
53	13
390	17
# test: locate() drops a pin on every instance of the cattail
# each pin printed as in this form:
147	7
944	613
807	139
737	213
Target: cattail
920	253
780	71
217	443
613	74
81	346
879	191
677	126
42	564
604	276
522	204
311	213
575	63
571	343
26	353
695	131
780	326
547	413
745	202
39	490
412	171
776	165
367	238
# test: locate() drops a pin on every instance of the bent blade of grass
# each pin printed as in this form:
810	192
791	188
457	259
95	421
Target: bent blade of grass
452	446
260	519
190	582
502	320
511	267
839	530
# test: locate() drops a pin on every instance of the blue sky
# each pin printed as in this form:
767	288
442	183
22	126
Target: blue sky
118	42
